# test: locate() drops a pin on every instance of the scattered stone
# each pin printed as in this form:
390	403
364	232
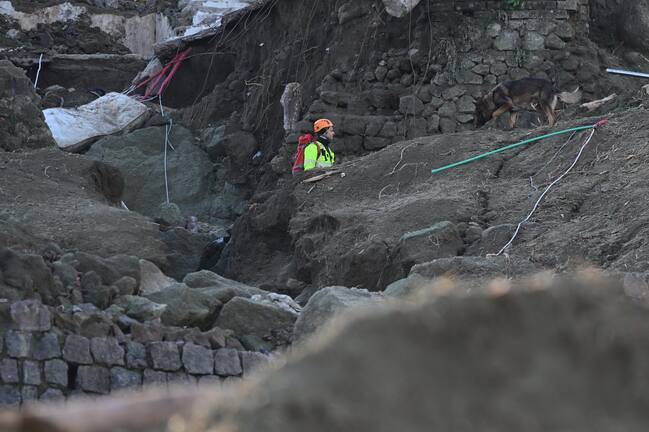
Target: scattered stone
126	285
141	308
170	215
380	73
554	42
95	292
110	270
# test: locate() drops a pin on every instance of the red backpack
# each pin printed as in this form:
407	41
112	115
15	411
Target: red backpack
298	161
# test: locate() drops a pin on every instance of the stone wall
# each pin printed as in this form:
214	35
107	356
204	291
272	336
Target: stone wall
40	360
457	50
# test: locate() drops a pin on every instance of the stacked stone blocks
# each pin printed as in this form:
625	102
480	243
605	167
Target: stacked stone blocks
39	361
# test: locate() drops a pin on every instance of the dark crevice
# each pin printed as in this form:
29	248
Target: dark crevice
483	203
72	375
499	169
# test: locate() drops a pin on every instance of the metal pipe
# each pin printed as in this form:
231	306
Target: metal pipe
630	73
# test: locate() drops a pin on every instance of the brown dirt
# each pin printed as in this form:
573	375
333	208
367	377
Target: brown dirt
51	194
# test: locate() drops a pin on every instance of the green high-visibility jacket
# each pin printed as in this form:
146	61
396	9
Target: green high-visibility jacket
317	155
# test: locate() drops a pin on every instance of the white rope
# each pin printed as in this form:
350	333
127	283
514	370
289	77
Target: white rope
168	128
545	192
38	72
549	162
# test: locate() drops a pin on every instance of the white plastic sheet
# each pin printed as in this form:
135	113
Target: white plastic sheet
74	129
399	8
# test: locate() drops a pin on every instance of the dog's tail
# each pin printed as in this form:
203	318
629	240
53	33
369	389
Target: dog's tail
572	97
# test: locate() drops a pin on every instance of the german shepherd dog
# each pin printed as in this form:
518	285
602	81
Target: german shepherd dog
535	93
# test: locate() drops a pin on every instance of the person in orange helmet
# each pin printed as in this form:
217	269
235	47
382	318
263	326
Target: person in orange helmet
318	154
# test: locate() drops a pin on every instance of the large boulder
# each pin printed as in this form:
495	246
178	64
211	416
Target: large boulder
441	240
187	307
185	249
152	279
24	276
633	23
109	270
262	317
521	349
260	240
222	288
22	125
329	303
475	266
140	156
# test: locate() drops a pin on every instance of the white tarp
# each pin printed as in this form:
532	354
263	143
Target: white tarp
207	14
399	8
75	128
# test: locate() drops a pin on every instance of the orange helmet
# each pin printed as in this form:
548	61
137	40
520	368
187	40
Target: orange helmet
322	124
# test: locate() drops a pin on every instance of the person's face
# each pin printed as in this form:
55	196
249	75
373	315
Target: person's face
330	133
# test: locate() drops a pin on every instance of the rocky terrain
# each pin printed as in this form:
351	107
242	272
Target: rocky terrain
180	249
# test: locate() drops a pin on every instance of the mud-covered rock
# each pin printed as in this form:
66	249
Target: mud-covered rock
261	318
140	157
22	125
633	23
329	303
184	250
187	307
24	276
